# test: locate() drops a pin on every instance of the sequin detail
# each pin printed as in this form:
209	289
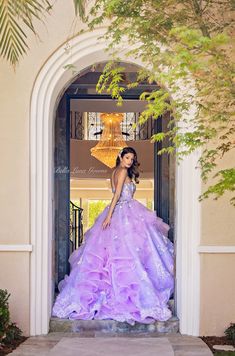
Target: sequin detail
124	272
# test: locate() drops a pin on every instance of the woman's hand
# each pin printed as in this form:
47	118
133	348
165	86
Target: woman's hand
106	222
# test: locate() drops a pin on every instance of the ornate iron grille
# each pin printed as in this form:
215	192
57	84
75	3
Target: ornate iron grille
94	126
76	227
92	130
76	125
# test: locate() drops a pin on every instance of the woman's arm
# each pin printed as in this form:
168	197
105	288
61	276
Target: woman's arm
121	179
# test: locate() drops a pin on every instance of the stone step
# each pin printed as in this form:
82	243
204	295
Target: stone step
113	327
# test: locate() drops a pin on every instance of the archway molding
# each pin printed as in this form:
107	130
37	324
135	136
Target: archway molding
85	50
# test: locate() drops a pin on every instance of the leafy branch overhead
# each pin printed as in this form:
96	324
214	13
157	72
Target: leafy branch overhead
15	18
185	47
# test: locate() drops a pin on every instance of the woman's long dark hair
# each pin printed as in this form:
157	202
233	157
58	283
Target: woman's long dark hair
133	171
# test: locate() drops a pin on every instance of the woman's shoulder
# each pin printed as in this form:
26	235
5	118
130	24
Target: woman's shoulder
119	171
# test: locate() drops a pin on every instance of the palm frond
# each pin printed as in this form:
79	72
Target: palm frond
15	17
80	8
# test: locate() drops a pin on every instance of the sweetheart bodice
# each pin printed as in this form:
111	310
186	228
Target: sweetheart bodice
127	192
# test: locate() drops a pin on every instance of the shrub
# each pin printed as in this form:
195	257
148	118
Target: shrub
230	332
8	331
13	333
4	313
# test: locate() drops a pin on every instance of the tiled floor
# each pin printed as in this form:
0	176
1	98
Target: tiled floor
74	344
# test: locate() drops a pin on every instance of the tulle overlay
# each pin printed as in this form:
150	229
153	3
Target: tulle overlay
124	272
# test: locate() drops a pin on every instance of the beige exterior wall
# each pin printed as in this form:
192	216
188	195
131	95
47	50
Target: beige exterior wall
218	216
15	92
218	223
14	276
217	269
217	293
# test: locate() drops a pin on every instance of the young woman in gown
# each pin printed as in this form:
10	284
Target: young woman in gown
124	268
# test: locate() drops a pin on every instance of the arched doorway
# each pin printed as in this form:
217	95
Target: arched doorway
77	129
48	89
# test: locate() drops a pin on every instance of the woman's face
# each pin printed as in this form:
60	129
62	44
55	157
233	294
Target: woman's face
127	160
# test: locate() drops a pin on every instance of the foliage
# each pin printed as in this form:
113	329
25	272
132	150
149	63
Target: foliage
8	331
95	208
149	204
230	332
15	18
13	333
79	8
185	47
4	312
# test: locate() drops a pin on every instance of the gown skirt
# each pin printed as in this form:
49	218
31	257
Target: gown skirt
124	272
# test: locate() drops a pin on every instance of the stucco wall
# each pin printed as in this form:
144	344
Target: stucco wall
217	269
14	276
15	92
217	293
218	216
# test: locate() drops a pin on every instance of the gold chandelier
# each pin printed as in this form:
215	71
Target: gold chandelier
111	141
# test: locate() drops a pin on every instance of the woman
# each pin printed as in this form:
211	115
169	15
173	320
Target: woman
124	268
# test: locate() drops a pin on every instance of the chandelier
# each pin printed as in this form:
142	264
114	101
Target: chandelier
111	141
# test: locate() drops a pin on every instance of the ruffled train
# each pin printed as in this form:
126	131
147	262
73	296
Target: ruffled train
124	272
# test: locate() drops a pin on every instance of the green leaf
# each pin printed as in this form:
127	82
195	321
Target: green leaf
79	6
15	16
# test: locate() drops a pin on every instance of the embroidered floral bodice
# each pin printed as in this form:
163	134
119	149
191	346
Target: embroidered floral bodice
127	193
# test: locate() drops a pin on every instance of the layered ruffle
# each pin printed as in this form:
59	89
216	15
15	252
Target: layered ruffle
124	272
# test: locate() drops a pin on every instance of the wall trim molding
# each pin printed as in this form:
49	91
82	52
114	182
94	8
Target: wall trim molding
188	229
216	249
49	86
16	248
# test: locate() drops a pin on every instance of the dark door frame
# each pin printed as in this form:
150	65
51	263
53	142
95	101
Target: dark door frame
161	185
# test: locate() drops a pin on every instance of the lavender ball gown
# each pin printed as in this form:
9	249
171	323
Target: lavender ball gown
124	272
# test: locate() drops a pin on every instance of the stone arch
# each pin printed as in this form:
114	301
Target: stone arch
85	50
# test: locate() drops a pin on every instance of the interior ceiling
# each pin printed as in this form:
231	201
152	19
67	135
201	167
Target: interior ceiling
90	76
106	105
99	67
